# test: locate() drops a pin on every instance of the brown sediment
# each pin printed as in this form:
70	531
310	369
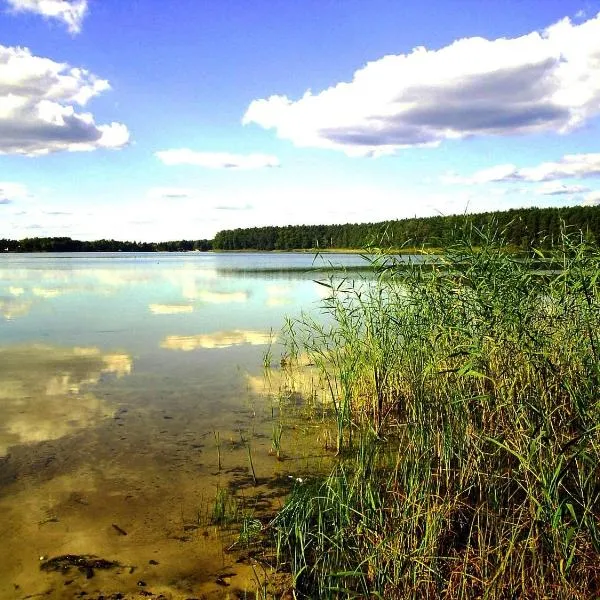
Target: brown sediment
136	490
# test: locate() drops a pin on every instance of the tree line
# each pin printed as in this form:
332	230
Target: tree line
521	228
66	244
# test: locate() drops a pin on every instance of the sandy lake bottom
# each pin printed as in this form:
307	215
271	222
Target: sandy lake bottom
90	468
120	377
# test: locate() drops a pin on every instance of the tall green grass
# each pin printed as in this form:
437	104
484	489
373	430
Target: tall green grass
466	401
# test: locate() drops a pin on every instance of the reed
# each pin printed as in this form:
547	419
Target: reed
465	398
276	435
218	447
225	510
251	463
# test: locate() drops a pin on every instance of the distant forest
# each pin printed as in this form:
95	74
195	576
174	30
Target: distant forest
66	244
520	228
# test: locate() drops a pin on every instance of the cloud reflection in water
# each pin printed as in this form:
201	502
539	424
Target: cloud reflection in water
170	309
219	339
43	392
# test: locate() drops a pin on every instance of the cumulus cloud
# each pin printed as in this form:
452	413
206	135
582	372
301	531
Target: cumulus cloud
542	81
556	188
592	199
576	166
38	114
70	12
217	160
9	192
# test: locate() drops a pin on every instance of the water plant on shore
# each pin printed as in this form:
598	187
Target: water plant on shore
467	409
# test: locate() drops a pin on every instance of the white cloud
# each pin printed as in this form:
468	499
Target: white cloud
188	196
548	81
70	12
577	166
233	206
491	174
556	188
170	193
216	160
37	107
10	191
592	199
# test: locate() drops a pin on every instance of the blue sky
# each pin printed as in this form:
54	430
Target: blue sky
153	120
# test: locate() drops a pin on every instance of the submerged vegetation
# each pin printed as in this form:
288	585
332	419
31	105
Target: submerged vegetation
464	399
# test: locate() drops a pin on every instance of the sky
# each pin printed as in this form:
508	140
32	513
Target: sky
149	120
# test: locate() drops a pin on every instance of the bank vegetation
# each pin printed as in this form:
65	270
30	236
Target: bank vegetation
465	411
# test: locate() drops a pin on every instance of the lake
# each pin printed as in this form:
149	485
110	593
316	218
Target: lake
133	396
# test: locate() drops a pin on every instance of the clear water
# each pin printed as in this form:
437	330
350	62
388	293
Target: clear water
117	371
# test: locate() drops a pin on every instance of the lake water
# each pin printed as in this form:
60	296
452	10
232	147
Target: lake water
124	379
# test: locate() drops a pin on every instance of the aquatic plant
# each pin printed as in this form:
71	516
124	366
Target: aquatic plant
250	529
225	509
465	399
246	443
218	447
251	463
276	436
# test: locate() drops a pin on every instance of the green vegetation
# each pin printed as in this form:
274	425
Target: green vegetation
523	228
465	400
225	509
66	244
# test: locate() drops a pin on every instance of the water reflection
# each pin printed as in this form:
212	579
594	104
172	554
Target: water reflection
211	297
219	339
279	294
43	391
10	309
170	309
46	292
71	472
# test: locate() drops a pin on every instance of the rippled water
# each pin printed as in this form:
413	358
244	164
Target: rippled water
116	372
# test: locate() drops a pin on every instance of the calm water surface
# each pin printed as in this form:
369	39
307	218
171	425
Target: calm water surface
116	372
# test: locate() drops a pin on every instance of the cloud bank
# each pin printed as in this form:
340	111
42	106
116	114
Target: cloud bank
545	81
592	199
217	160
9	192
70	12
571	166
38	114
556	188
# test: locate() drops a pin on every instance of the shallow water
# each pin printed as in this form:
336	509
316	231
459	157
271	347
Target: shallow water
116	371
